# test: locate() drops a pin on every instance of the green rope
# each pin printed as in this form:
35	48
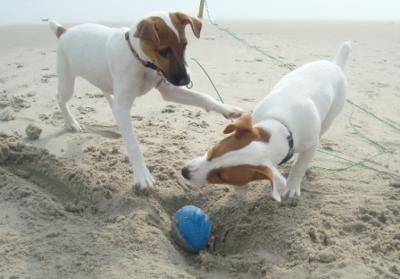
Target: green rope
209	78
361	163
353	163
289	66
358	164
336	155
374	115
362	135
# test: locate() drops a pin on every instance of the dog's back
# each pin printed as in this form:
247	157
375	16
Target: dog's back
84	50
315	88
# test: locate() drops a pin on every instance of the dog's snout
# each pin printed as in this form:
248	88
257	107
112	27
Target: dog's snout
186	173
179	78
179	81
184	81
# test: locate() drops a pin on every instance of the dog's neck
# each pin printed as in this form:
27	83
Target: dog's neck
135	42
278	146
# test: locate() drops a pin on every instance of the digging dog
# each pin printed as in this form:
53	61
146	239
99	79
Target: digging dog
290	120
127	63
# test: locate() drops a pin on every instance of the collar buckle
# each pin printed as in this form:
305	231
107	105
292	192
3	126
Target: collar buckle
290	140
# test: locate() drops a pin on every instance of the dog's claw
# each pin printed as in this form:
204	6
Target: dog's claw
276	195
279	189
229	111
291	192
73	126
143	181
291	197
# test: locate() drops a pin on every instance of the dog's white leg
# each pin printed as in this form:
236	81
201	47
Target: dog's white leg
297	172
190	97
279	185
121	107
66	82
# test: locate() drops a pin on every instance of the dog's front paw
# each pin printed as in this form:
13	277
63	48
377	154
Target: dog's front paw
229	111
143	180
73	126
276	195
279	188
292	191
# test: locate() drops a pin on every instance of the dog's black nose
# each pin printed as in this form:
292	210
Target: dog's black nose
186	173
184	81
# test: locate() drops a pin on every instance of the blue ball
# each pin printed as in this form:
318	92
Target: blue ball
191	228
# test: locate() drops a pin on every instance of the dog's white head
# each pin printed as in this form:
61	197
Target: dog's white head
245	155
163	40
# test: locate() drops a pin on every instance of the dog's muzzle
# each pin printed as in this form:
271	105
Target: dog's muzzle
180	80
186	173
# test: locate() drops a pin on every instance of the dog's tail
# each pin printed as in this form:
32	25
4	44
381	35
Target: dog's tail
57	28
342	54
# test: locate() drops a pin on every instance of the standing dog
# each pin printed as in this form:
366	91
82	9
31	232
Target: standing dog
291	119
126	63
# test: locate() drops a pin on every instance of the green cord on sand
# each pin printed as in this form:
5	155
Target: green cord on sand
396	127
243	41
352	163
209	78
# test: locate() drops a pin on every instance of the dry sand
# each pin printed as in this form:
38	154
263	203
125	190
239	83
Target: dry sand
66	205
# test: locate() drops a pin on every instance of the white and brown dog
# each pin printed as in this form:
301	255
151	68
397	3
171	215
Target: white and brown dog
126	63
290	120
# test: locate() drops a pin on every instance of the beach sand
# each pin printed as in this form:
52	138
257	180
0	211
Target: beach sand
66	205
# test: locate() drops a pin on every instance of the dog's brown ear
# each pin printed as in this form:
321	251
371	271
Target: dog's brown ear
184	19
147	30
241	125
230	128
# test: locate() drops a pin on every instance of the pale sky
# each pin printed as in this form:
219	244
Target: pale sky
32	11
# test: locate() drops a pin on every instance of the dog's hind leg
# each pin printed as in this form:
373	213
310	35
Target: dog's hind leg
336	107
66	82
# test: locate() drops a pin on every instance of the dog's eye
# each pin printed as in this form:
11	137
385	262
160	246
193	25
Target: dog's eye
164	52
184	46
220	175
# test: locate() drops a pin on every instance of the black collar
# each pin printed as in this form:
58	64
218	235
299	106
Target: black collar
146	64
289	138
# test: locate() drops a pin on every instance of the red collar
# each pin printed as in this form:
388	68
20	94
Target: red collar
146	64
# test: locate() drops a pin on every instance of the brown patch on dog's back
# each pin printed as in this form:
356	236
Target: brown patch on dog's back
239	175
244	134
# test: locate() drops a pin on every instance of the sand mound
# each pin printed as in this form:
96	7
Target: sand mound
71	219
68	211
